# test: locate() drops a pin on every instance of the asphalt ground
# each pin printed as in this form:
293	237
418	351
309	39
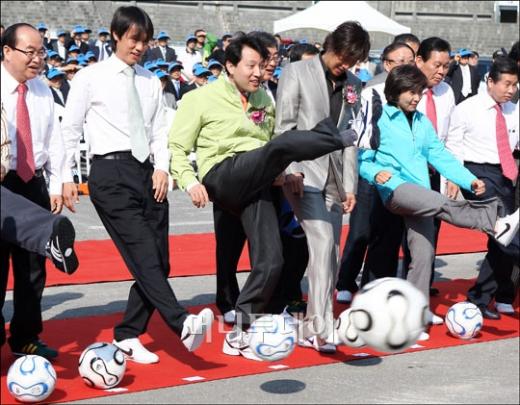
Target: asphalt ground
478	373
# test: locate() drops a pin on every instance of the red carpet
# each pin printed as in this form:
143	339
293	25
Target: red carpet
194	255
178	367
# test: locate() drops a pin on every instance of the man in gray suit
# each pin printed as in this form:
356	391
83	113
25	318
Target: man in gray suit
322	190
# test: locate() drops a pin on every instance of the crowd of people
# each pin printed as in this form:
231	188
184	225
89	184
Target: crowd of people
286	139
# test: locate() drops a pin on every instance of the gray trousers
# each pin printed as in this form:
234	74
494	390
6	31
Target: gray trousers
24	223
419	206
320	215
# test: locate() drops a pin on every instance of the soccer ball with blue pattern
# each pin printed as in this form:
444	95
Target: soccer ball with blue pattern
102	365
31	378
272	337
464	320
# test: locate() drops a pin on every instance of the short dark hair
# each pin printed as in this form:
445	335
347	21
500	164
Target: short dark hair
234	49
394	46
298	50
267	39
407	38
514	53
432	44
9	38
401	79
198	30
350	41
125	17
502	64
475	53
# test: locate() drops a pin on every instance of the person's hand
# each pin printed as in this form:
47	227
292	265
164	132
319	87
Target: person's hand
452	190
478	187
294	183
349	203
56	203
279	180
199	196
70	196
160	185
383	176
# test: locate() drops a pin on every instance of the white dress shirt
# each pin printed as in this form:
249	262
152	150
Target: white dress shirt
444	100
188	59
466	80
62	51
97	99
47	142
472	132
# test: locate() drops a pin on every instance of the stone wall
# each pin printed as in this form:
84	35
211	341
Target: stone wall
463	23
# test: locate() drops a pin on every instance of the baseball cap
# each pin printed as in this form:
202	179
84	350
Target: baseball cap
52	73
160	74
465	52
174	65
103	30
201	70
41	27
163	35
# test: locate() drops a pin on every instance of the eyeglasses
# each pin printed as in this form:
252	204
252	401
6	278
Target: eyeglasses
42	53
401	61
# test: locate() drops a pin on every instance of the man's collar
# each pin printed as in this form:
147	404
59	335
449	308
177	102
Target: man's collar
116	64
9	81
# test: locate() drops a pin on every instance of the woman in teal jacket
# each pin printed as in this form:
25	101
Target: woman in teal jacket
399	170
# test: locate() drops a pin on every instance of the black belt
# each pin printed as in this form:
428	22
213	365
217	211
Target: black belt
126	155
482	164
37	173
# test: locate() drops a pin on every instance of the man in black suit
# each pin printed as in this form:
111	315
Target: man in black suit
101	48
464	79
162	51
76	34
174	69
60	45
58	85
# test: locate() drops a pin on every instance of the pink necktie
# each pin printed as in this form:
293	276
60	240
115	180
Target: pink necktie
505	155
431	112
24	149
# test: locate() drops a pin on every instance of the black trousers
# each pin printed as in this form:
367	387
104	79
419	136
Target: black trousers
360	227
495	275
435	181
121	191
28	270
387	232
230	239
24	223
241	185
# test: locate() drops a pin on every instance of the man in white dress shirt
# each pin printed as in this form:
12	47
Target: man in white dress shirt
36	146
483	134
122	105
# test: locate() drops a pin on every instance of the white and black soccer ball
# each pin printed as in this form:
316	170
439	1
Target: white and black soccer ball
31	378
347	332
464	320
389	314
102	365
272	337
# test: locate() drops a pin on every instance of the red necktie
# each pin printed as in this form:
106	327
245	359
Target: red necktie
431	112
505	155
24	148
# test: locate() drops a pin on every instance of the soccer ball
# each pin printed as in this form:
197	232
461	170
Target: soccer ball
346	330
31	379
102	365
464	320
272	337
389	314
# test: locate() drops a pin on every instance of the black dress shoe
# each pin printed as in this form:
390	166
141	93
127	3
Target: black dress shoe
488	313
434	292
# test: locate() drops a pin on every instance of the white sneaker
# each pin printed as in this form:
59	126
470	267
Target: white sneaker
344	297
314	342
423	336
236	343
435	319
504	308
506	228
230	316
135	351
195	329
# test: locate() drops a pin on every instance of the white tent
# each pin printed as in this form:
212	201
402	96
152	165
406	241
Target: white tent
327	15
